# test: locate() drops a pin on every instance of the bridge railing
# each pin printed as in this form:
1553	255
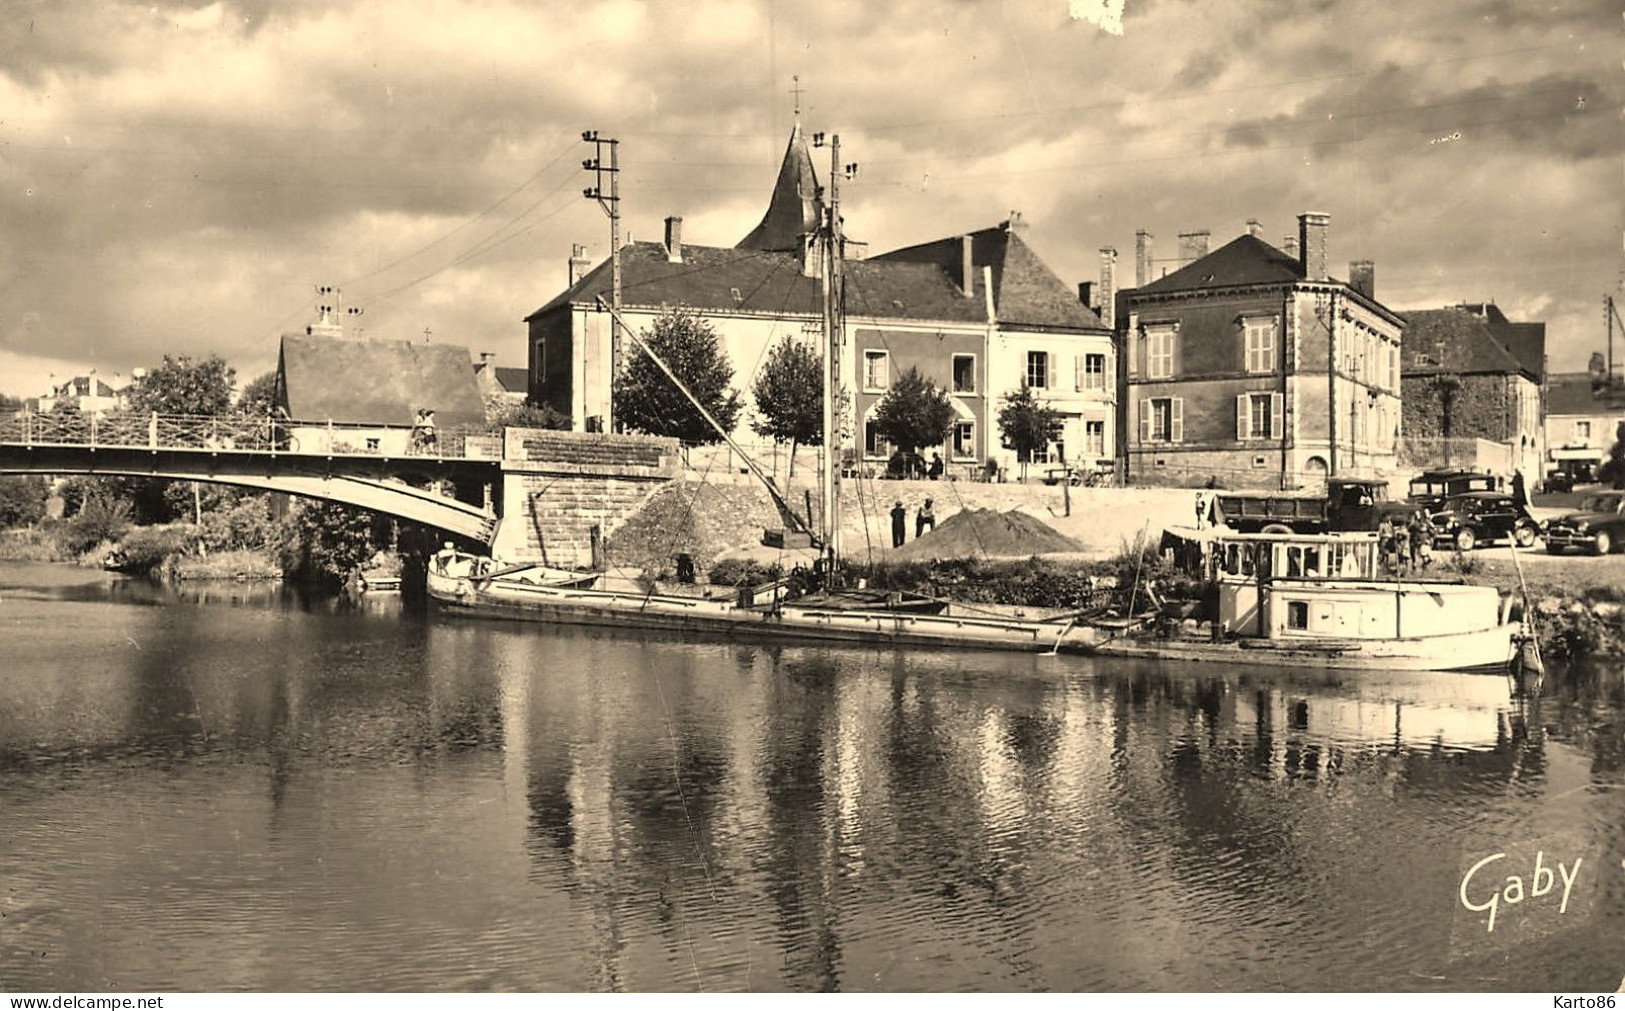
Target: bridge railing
242	433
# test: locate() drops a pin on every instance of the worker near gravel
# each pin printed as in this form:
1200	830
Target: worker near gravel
899	524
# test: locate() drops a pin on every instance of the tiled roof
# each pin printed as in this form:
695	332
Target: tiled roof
1454	340
707	278
794	209
1574	393
1245	259
378	382
513	380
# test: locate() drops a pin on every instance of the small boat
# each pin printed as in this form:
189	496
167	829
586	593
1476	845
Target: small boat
1318	600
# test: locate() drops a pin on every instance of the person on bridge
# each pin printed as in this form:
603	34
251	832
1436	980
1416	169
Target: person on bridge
423	434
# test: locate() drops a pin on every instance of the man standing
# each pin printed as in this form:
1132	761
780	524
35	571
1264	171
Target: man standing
924	520
899	521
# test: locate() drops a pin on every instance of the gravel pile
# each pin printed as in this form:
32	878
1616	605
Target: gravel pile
987	533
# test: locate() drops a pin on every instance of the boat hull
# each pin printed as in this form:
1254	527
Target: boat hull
1482	651
724	617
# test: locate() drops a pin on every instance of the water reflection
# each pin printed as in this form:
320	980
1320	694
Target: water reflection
375	797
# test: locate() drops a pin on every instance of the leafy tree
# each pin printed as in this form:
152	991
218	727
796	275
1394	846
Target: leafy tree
1445	387
647	401
503	412
184	386
1025	424
914	412
258	396
323	542
10	404
789	395
1612	470
22	500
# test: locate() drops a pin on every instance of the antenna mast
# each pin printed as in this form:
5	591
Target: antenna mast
611	205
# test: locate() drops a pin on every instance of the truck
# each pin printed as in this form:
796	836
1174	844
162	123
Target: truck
1346	504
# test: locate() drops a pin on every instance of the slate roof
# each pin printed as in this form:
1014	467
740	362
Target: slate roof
377	382
514	380
794	209
911	284
1573	393
1246	259
1456	340
1525	341
1025	291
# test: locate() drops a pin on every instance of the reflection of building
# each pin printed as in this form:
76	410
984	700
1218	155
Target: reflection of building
1254	367
1471	376
979	313
1583	415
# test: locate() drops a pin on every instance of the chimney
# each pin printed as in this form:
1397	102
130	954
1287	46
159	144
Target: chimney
1289	246
1312	227
674	240
486	356
967	265
1108	285
1015	224
1192	247
1363	278
1254	227
1086	293
1142	258
578	263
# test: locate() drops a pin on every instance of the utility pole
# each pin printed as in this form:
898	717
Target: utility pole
834	338
611	204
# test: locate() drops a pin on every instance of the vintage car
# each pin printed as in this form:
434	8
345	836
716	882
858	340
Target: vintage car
1598	525
1430	488
1559	481
1466	519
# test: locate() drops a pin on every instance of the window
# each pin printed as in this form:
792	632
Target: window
1297	614
876	370
964	373
1094	438
1258	416
1260	345
541	360
1393	367
1260	462
1038	370
1421	359
873	443
1091	372
1162	419
1159	354
965	440
1582	431
1053	451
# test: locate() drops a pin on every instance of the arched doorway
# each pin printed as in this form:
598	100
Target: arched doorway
1314	474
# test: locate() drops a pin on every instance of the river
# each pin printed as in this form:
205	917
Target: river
239	788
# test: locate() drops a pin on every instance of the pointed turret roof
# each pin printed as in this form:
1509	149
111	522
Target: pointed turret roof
795	208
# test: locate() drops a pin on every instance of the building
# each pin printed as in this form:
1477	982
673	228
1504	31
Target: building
1472	382
89	394
978	313
1252	367
500	382
348	394
1583	414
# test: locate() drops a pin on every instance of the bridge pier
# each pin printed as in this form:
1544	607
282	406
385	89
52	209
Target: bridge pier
558	486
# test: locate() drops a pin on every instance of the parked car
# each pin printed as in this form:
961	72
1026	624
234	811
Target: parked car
1598	525
1430	488
1559	481
1464	520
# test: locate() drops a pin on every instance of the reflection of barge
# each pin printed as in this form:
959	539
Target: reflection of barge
1318	600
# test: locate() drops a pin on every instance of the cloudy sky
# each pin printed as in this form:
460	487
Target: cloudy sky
178	177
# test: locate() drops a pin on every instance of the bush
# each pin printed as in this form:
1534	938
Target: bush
22	501
742	571
146	548
324	542
242	526
100	519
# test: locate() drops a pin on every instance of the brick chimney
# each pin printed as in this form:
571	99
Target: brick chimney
1289	246
1254	227
1192	246
579	264
1363	278
967	265
674	239
1312	228
1142	258
1108	285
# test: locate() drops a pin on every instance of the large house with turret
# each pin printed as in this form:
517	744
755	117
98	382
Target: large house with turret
979	313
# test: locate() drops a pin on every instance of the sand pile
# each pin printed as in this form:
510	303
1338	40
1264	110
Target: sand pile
978	533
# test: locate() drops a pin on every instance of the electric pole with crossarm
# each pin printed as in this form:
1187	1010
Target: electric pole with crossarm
611	204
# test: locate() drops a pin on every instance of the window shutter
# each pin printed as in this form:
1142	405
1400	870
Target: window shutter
1145	419
1136	348
1176	427
1077	373
1277	409
1242	406
1174	354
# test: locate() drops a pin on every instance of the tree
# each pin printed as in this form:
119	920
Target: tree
502	412
647	401
22	500
789	395
1445	386
184	386
914	412
258	396
1612	471
1025	424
